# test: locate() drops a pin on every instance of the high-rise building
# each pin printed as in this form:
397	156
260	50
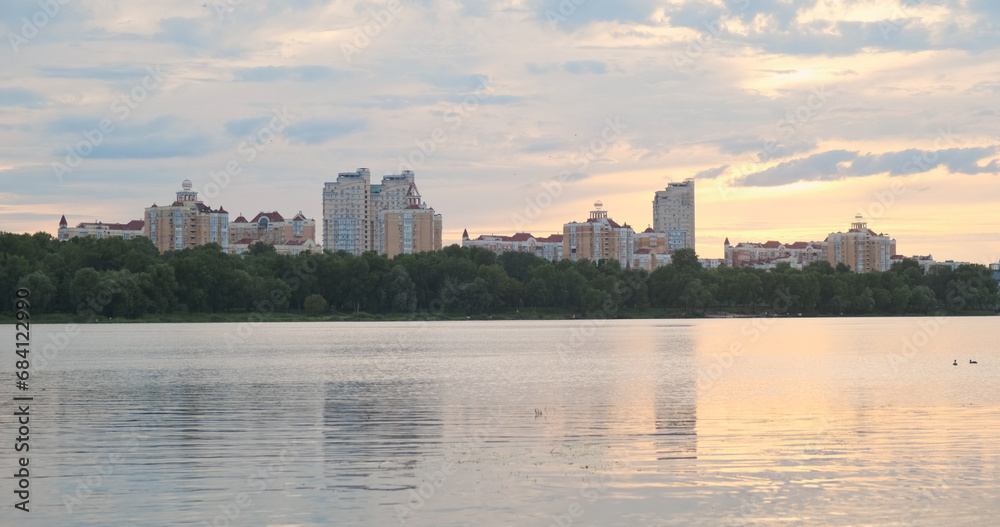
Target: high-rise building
413	228
186	223
599	238
860	248
353	207
347	212
128	231
287	236
673	214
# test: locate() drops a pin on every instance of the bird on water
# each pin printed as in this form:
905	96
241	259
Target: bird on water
972	362
955	363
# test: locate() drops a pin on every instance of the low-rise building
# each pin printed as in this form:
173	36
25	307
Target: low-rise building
100	230
549	247
767	255
292	236
291	247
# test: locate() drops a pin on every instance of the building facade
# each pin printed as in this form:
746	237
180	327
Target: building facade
100	230
353	208
673	215
413	228
288	236
767	255
186	223
599	238
549	247
860	248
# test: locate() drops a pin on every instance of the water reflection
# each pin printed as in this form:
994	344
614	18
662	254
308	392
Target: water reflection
514	424
374	432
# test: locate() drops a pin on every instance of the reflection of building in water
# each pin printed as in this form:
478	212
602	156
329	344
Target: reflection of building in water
650	408
374	430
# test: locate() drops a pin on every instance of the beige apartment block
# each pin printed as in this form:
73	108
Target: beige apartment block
410	229
186	223
860	248
599	238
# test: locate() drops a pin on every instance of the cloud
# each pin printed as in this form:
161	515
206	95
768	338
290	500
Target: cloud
243	127
159	138
290	73
583	67
711	173
317	131
762	150
537	69
115	72
571	15
841	164
20	97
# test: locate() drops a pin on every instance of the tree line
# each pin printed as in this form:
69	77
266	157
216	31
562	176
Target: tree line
120	278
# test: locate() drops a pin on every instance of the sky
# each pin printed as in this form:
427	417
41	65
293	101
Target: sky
515	115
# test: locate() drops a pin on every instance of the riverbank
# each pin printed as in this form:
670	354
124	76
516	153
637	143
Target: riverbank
533	314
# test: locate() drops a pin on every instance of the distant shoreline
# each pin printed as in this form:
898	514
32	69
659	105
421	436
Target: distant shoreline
209	318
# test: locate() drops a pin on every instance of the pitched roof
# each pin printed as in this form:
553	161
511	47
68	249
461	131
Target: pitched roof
299	217
465	234
62	222
772	245
271	216
241	219
650	229
555	238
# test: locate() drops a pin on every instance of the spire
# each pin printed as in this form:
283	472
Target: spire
465	234
62	222
727	241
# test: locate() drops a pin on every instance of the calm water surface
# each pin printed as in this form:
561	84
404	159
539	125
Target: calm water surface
715	422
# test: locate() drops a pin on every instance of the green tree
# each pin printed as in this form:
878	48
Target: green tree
315	305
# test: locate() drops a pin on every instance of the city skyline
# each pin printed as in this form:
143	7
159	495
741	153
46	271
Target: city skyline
787	132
